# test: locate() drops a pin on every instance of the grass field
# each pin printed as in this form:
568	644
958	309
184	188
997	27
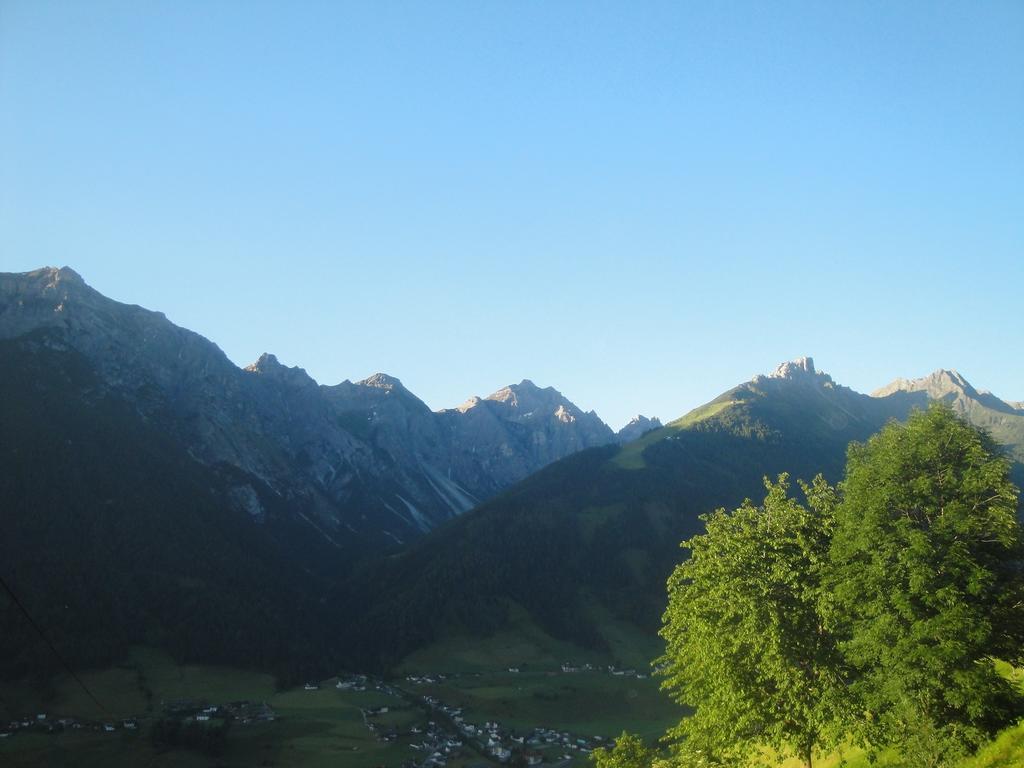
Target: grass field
583	703
313	728
522	645
632	454
526	646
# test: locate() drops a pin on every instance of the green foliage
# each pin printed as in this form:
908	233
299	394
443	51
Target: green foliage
746	645
925	582
1005	751
629	752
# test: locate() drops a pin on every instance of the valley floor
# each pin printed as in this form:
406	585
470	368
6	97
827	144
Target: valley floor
451	718
467	714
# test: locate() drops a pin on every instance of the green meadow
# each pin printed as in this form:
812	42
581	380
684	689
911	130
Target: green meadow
313	728
582	703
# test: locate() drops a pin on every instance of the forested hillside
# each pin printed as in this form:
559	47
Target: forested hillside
591	540
111	534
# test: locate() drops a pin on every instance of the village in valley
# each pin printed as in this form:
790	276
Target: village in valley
421	720
452	735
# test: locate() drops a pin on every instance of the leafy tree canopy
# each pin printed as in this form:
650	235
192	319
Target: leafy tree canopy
925	584
745	644
629	752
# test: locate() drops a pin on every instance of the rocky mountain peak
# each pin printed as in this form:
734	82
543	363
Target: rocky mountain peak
800	371
525	392
57	275
636	427
266	363
472	402
951	386
938	384
271	368
642	420
382	381
539	408
793	369
49	284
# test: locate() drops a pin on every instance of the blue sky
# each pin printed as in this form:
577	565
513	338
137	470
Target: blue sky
641	204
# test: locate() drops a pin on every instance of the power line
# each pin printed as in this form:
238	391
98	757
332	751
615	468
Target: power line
52	647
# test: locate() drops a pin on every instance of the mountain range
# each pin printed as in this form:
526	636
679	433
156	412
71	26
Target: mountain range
367	462
155	492
579	553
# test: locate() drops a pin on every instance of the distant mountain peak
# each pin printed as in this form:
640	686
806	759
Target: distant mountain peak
513	393
800	370
57	274
950	385
472	402
270	367
382	381
800	367
937	384
525	402
264	362
642	420
637	427
53	279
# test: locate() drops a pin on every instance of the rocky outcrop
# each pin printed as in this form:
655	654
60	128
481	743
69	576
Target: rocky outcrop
802	367
801	370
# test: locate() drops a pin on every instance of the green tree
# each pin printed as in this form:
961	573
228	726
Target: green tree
629	752
925	582
745	644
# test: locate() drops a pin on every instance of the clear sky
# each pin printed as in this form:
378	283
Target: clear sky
641	204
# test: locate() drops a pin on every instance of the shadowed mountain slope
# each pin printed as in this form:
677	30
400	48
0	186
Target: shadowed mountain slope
152	491
112	534
585	545
367	463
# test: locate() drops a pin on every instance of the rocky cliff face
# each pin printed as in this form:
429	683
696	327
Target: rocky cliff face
366	458
514	432
410	439
467	454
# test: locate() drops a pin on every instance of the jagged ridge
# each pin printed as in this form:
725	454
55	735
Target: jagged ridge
366	459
